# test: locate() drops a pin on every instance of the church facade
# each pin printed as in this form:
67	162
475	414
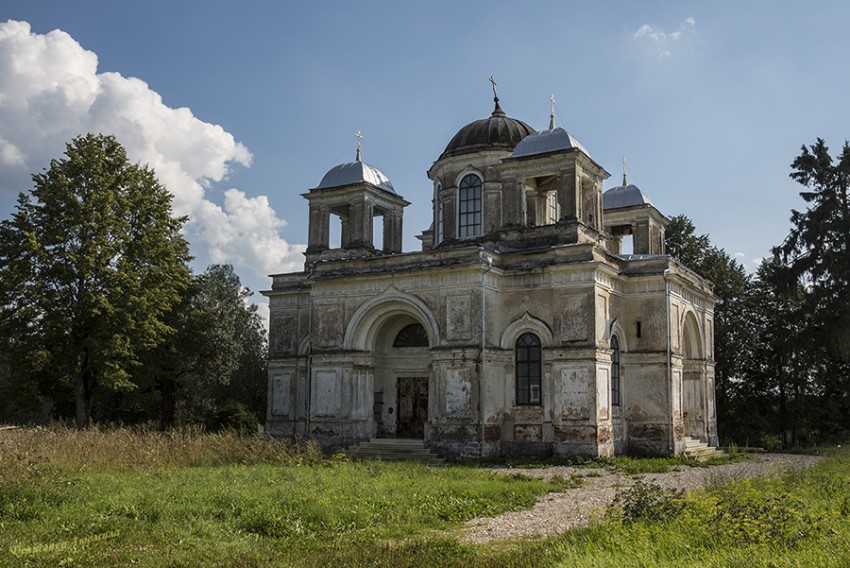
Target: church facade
520	328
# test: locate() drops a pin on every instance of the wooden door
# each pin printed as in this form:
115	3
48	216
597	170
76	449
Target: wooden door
412	407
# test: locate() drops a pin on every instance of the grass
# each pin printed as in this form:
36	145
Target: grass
194	499
114	498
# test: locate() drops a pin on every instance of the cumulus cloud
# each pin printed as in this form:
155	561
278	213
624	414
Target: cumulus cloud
51	92
659	42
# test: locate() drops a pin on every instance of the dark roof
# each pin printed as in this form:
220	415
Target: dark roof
498	132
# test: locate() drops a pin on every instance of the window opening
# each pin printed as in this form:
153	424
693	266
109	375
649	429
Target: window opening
615	371
413	335
528	370
470	206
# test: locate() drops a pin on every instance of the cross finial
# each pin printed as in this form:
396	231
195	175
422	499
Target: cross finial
625	183
497	111
359	138
552	114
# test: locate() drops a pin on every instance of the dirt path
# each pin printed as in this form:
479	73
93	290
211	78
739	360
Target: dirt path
556	513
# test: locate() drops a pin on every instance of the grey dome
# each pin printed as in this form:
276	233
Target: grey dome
354	173
498	132
546	141
624	196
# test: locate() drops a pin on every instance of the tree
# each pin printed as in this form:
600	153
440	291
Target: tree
91	264
818	246
217	356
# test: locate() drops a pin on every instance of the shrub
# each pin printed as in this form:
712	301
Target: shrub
747	519
648	502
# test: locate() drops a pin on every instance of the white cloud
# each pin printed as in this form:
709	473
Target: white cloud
50	92
659	42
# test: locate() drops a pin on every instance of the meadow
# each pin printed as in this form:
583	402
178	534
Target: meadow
123	497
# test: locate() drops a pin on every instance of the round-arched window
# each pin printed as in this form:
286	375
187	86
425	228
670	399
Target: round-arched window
528	370
469	202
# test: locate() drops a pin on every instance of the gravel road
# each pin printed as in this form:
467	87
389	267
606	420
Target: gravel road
556	513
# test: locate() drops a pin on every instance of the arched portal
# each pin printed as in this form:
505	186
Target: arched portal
402	370
693	380
397	330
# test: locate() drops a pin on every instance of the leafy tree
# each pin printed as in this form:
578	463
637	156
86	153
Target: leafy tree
217	356
818	246
91	264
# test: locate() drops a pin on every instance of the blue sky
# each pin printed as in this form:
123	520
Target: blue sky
242	107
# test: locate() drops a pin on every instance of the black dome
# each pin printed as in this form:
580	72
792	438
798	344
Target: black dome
499	132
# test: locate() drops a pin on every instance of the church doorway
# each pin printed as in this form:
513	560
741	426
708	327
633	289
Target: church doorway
402	367
412	407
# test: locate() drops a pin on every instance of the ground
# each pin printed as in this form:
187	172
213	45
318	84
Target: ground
556	513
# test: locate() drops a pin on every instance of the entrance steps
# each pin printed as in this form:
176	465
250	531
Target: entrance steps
395	449
699	450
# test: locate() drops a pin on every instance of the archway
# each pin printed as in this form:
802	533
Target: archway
397	330
402	370
693	380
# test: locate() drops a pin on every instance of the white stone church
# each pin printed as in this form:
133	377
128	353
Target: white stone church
520	328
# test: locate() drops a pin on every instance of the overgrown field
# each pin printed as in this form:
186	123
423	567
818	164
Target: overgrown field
101	498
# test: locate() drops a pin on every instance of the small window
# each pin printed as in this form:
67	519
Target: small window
413	335
528	370
470	206
553	211
615	371
439	218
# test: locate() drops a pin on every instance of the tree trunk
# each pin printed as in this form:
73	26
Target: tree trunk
169	413
82	392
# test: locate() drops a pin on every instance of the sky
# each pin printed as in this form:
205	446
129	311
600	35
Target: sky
242	107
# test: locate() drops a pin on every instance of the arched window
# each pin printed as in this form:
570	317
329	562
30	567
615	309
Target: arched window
528	369
439	217
413	335
615	371
470	206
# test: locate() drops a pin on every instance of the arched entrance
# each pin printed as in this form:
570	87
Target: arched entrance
397	329
402	379
693	380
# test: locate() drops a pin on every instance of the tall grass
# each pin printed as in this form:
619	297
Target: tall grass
116	497
62	447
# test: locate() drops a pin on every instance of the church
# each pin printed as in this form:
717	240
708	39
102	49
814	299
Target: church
521	328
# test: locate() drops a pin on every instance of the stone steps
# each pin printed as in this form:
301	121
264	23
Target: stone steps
698	450
395	449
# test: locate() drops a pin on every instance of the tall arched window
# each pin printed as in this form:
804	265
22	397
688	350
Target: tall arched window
439	217
528	369
615	371
470	206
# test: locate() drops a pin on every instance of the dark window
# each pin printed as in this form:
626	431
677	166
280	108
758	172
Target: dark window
413	335
528	369
615	371
439	218
470	206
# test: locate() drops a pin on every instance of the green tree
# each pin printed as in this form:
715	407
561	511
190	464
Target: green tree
217	357
818	246
91	264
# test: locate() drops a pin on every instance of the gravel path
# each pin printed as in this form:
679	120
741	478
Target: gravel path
556	513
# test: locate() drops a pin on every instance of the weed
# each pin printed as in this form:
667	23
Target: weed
646	502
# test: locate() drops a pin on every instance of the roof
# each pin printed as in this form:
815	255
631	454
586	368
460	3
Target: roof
546	141
624	196
354	173
498	132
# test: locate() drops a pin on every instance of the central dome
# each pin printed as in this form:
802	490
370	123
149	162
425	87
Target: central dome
499	132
